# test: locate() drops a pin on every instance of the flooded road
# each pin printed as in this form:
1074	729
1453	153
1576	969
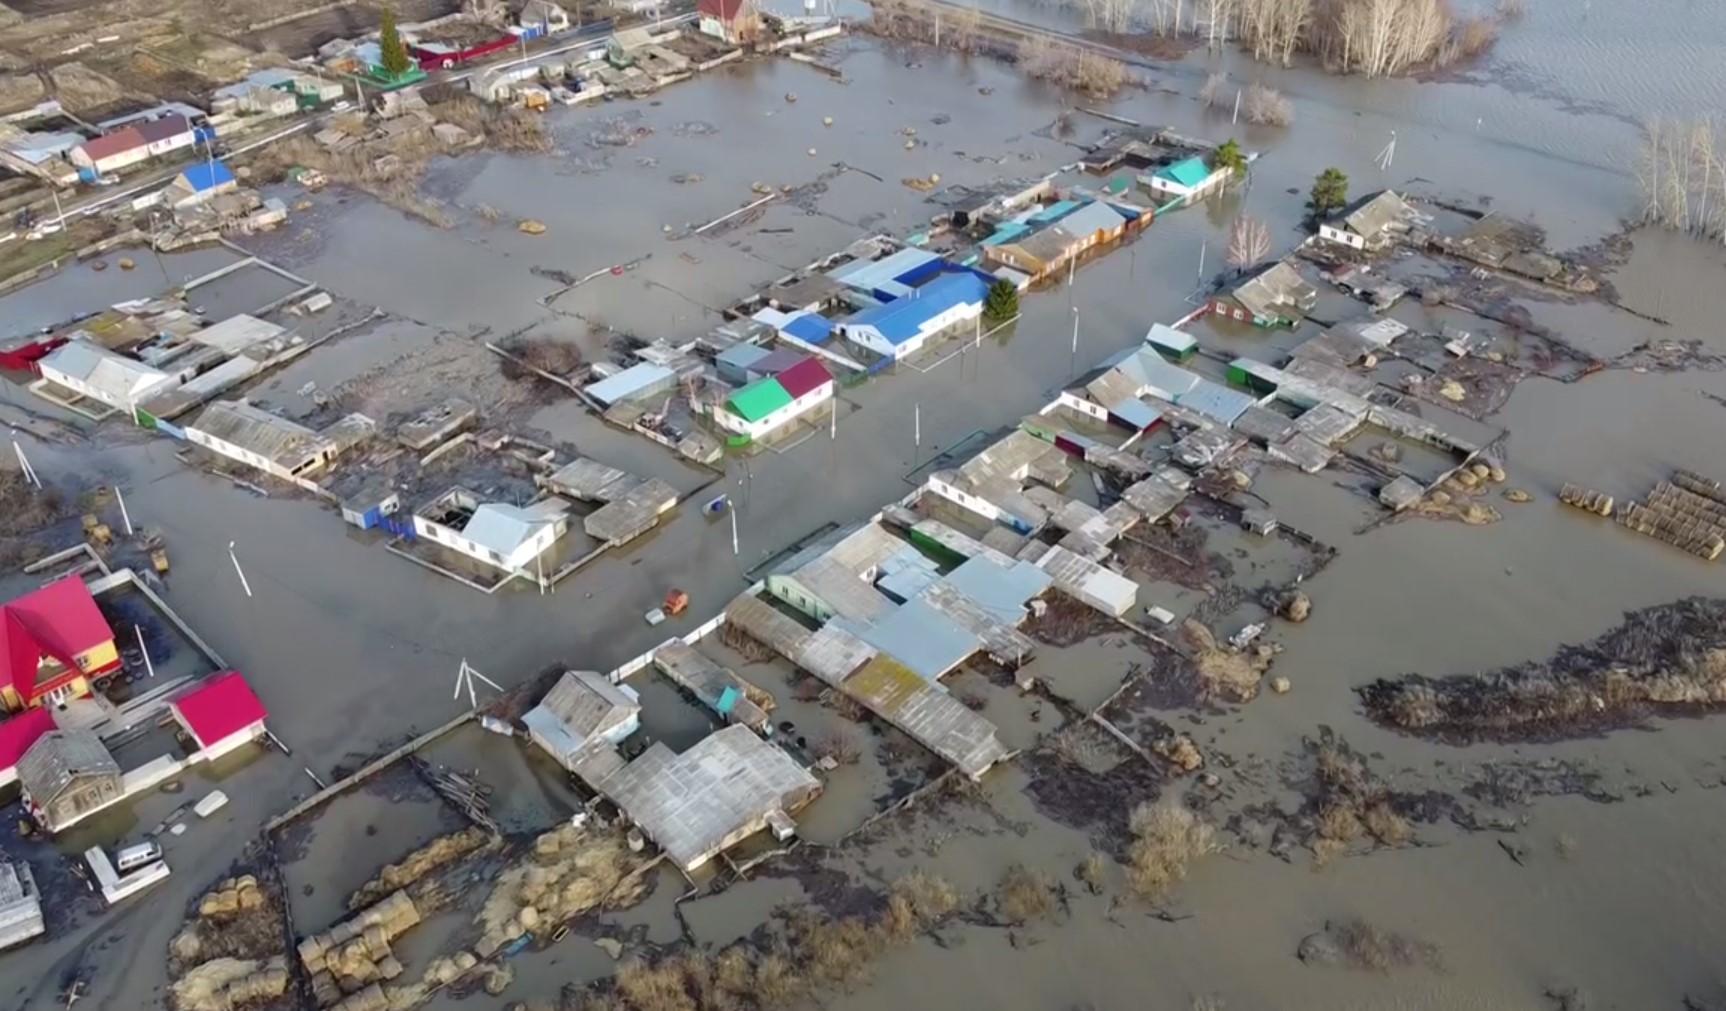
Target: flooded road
352	648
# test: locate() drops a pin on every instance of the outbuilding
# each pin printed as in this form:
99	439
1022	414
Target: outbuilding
110	152
219	715
201	182
67	775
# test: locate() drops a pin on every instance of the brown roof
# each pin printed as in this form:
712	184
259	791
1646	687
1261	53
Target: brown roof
724	10
164	129
109	144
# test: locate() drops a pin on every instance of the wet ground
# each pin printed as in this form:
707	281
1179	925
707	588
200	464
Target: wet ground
352	648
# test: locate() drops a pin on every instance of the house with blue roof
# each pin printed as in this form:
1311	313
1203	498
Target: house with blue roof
199	182
905	325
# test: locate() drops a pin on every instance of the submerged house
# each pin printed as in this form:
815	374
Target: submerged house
584	713
498	534
55	642
220	714
1188	179
1372	222
66	775
257	438
1275	296
905	325
99	374
772	402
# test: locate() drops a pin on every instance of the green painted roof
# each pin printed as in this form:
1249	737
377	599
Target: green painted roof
759	399
1189	172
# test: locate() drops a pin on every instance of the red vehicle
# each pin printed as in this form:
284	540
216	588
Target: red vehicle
437	56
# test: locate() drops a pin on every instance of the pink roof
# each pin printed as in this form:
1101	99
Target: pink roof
60	620
109	144
724	10
166	128
223	705
804	377
21	731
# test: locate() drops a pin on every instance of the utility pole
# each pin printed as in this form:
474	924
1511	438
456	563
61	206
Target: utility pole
241	572
24	465
1202	264
1073	362
917	431
1388	153
124	515
149	665
732	512
833	420
1236	118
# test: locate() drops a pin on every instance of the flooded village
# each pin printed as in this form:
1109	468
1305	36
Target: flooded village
664	508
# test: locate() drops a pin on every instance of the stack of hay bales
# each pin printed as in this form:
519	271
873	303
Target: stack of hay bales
224	983
1586	499
231	897
1682	518
355	954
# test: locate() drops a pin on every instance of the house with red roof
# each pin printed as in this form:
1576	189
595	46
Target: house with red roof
111	151
772	402
16	736
53	643
734	21
220	714
167	134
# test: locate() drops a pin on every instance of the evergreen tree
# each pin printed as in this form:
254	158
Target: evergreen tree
1329	193
395	55
1230	156
1002	301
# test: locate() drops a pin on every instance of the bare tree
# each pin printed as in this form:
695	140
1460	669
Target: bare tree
1219	19
1683	177
1249	242
1214	92
1267	106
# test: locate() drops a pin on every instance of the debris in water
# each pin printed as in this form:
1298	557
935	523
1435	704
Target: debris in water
530	226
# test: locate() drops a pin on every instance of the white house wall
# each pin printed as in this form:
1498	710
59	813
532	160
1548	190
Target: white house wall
1341	235
778	419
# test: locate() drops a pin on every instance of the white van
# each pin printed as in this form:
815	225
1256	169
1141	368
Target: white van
133	857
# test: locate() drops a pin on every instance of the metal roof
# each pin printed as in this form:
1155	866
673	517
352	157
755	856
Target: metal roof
806	376
109	144
1162	336
1093	217
740	356
164	128
207	175
499	527
255	430
1216	401
237	333
588	704
871	274
1001	590
759	399
918	636
903	319
1136	413
809	326
632	381
115	375
1189	172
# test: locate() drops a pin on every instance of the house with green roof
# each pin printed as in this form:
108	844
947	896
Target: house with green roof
771	402
1188	179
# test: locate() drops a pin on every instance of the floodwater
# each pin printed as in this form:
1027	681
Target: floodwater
352	648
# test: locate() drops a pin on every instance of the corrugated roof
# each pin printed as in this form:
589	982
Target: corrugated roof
1092	218
165	128
759	399
630	382
282	442
110	144
60	620
222	706
1055	211
1189	172
499	527
812	327
805	377
207	175
918	636
1136	413
1000	590
903	319
237	333
114	375
588	704
1216	401
741	356
1164	336
871	274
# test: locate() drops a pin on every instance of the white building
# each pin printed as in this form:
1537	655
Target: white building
20	905
500	535
583	713
100	374
1370	223
1189	179
773	402
904	326
257	438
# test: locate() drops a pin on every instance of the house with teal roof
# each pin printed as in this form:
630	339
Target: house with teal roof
1187	180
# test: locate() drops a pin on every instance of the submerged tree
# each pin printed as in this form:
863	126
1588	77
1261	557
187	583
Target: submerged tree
395	54
1249	242
1002	301
1229	155
1329	193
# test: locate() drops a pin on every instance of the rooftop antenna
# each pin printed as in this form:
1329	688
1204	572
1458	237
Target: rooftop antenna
1389	152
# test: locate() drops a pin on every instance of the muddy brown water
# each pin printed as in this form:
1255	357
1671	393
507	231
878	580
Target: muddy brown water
351	647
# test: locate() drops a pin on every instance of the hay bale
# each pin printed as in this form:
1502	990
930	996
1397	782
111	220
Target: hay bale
372	998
